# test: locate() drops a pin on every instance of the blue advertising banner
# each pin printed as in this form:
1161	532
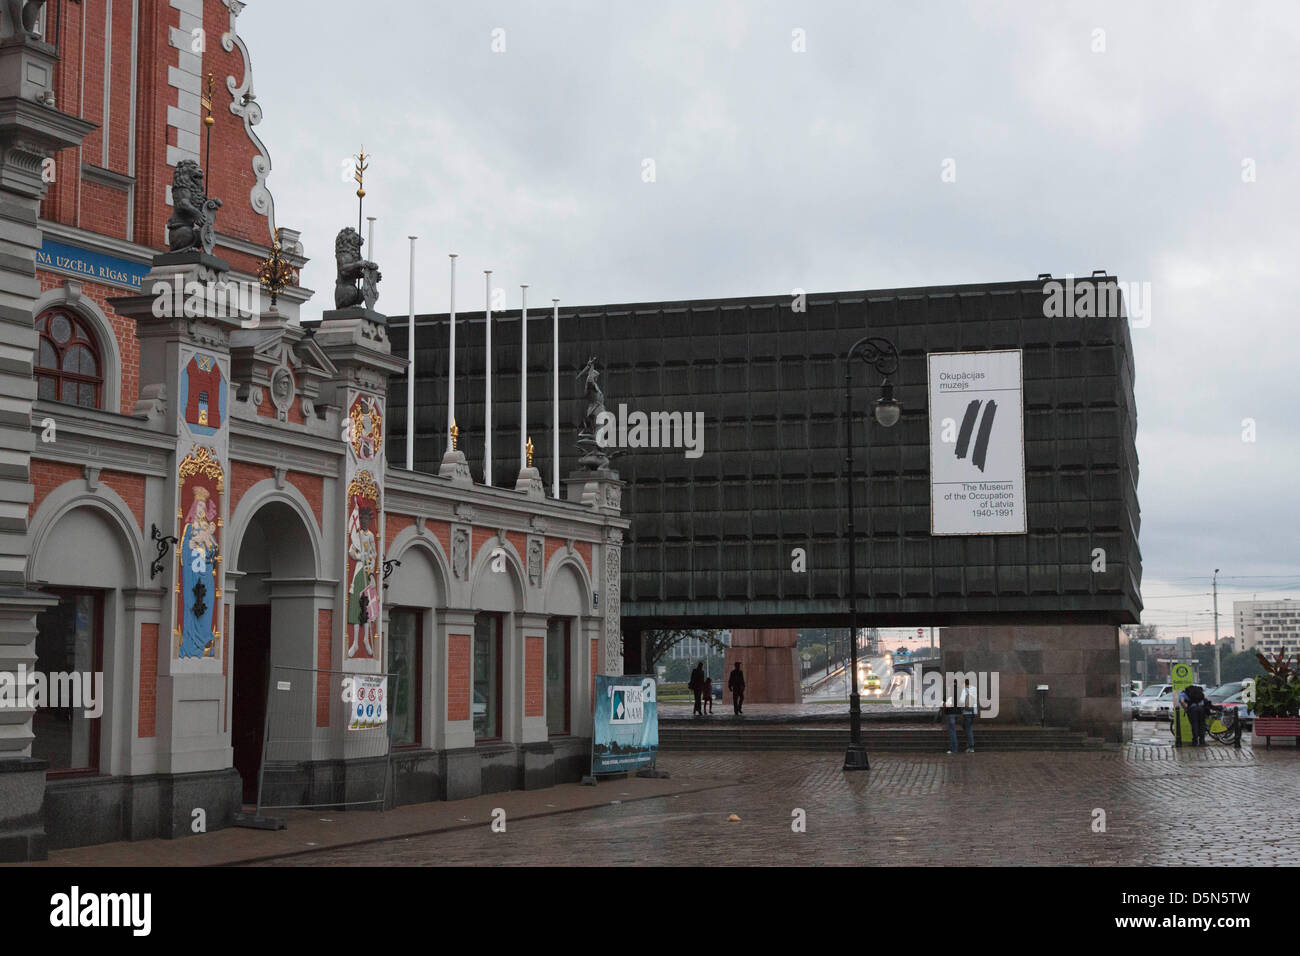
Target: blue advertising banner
626	734
91	265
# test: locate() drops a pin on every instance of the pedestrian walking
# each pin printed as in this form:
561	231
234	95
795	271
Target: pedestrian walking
736	684
964	707
697	687
708	694
1192	701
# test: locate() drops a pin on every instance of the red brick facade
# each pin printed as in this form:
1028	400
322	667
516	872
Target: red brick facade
49	475
79	83
46	476
324	648
145	725
534	676
242	477
458	664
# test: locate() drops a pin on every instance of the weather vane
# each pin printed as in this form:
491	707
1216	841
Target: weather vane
275	271
359	174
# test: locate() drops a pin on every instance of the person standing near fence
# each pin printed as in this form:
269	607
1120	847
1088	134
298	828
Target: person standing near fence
708	694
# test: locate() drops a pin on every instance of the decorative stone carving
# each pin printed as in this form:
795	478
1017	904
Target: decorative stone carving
460	554
466	513
92	478
535	562
282	392
538	523
351	268
192	224
613	497
613	613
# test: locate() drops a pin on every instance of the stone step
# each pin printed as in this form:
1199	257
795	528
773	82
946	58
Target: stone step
895	741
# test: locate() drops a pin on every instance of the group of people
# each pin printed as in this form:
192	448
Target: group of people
701	685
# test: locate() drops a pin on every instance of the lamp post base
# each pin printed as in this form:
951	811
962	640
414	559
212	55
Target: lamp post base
855	758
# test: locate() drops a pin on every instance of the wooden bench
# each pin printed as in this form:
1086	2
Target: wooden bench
1268	727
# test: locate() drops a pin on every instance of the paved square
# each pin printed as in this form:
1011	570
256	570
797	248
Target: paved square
1231	807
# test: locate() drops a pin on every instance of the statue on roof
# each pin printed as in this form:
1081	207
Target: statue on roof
351	267
192	225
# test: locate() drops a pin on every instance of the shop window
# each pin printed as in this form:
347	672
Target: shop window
405	660
69	640
69	367
557	676
486	693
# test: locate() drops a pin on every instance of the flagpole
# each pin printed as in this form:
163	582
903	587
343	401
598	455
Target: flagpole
451	357
523	375
487	377
410	368
555	399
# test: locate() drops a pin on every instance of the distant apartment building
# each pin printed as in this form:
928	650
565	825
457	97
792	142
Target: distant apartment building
1268	626
696	649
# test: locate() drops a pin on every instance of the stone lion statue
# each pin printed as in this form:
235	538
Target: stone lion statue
193	220
23	15
351	267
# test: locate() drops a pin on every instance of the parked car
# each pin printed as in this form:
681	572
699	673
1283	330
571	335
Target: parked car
1155	703
1149	696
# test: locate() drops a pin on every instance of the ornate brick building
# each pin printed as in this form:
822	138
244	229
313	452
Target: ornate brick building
199	505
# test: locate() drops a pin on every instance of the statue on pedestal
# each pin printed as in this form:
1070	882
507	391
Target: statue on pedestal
594	455
23	16
193	220
351	267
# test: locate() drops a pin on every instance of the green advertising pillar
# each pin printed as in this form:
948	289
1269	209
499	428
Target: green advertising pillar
1180	675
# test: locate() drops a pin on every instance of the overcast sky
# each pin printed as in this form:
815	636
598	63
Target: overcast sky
822	170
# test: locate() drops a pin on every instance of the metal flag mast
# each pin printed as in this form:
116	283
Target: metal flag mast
410	366
487	377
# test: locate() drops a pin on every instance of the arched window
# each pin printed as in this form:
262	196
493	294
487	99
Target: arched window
68	364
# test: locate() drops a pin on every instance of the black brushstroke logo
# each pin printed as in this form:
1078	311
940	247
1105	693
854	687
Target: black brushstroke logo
982	438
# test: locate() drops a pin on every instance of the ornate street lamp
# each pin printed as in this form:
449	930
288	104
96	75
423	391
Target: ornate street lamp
882	356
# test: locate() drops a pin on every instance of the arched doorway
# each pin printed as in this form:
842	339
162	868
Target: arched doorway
275	623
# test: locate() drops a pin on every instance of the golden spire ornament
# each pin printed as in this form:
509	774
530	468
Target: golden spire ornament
205	102
529	449
455	434
359	174
275	271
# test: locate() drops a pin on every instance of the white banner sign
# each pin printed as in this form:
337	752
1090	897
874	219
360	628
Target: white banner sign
977	448
369	693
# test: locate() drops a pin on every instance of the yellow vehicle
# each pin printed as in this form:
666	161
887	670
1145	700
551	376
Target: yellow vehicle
871	685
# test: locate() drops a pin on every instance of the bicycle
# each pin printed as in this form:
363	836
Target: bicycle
1223	724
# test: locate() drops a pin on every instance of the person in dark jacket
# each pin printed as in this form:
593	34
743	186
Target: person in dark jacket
708	695
736	684
696	685
1193	702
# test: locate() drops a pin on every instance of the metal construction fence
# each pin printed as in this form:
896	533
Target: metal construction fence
305	762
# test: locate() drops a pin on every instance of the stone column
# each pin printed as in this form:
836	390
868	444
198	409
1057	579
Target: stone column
184	318
32	132
769	659
1080	665
356	341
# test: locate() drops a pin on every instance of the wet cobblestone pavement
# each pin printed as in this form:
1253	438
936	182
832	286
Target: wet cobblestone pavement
1236	807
